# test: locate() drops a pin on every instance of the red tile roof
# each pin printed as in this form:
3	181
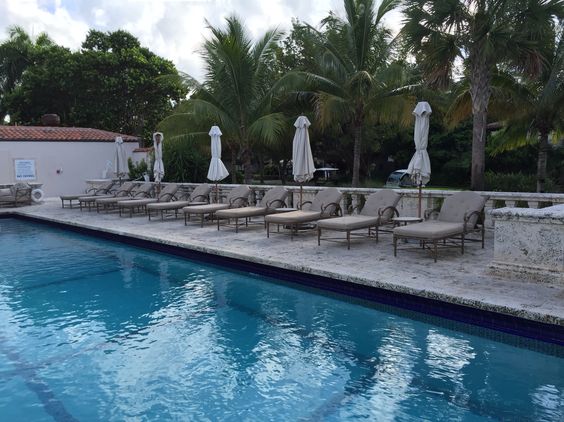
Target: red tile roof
57	134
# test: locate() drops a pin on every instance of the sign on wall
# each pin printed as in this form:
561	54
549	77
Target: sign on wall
25	169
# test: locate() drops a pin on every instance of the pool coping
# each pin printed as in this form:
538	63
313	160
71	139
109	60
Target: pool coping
481	314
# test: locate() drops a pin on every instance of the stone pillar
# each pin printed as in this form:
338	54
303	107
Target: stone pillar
529	243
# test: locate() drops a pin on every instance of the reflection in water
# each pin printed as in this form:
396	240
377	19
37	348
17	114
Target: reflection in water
117	333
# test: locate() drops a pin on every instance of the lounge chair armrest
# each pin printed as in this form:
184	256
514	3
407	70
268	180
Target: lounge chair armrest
279	203
468	216
164	197
204	197
332	204
301	205
245	200
394	210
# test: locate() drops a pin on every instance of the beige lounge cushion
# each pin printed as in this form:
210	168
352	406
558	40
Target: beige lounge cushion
234	197
241	212
324	198
173	205
380	200
351	222
454	207
112	200
204	209
274	197
5	192
430	230
132	203
66	197
292	217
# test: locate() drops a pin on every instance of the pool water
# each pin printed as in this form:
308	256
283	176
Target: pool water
95	330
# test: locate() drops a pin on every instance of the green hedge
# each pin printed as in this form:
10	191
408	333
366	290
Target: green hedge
515	182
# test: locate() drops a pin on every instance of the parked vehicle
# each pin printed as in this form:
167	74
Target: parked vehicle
399	178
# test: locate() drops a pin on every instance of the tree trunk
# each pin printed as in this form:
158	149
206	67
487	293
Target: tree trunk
233	164
542	159
356	154
480	91
247	163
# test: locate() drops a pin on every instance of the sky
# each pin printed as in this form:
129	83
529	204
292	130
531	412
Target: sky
174	29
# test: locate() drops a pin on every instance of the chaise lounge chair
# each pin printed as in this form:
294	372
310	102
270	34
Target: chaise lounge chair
166	195
324	205
138	192
199	196
16	195
460	214
238	197
103	189
378	210
272	199
121	191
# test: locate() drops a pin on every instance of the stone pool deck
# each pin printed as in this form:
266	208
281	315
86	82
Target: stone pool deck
455	278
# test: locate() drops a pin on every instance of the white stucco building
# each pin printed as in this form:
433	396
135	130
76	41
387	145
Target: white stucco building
62	158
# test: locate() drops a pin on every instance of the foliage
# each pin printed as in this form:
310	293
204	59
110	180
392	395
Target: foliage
236	93
16	54
136	171
354	83
485	35
514	182
112	83
184	161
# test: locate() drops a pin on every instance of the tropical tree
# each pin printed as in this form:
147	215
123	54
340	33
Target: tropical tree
482	34
112	83
236	93
17	53
537	112
357	82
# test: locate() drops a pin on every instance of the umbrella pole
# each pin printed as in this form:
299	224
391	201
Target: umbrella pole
419	210
216	193
301	196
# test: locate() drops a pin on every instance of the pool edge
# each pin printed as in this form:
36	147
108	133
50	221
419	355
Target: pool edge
466	313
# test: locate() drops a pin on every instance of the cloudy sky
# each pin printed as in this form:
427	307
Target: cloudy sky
171	28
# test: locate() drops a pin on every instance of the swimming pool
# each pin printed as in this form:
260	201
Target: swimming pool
95	330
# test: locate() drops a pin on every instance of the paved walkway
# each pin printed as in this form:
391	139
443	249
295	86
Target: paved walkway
462	279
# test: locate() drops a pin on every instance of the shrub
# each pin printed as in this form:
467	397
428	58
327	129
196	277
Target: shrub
514	182
136	171
184	162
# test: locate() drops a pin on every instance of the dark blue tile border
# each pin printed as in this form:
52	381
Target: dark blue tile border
550	333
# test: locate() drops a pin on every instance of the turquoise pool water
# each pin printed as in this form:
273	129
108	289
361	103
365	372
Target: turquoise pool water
95	330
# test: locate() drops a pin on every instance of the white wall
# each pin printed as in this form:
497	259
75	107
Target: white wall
79	161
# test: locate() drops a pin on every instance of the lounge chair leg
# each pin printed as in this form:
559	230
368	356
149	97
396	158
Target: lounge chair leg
236	225
349	240
149	214
218	223
202	222
376	228
435	249
185	220
395	246
267	224
462	244
318	236
483	235
131	213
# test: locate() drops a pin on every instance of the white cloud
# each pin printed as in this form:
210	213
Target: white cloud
173	29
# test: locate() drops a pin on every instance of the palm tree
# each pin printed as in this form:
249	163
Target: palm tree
537	112
482	34
16	54
236	93
355	83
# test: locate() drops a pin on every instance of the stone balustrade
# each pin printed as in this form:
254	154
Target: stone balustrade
408	205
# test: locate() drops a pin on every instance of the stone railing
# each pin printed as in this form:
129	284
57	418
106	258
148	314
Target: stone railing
408	206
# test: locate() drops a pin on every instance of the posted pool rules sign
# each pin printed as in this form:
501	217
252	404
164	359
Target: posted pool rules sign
25	169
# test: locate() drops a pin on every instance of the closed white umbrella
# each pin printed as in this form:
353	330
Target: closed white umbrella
158	167
120	164
420	166
302	158
217	170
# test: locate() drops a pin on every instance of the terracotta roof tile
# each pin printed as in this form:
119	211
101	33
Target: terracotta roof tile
56	134
144	149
